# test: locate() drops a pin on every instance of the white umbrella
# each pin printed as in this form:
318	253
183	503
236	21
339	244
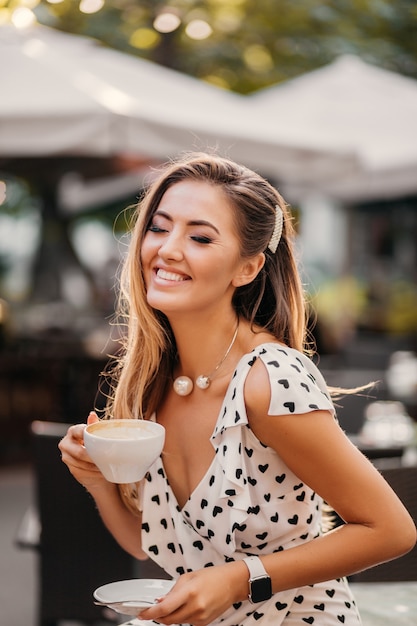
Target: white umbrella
67	95
352	106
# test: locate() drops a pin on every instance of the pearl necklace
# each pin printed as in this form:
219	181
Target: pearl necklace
183	385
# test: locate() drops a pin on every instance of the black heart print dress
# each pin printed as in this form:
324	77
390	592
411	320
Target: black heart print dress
249	502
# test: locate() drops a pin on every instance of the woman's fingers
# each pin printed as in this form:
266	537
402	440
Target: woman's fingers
196	598
75	456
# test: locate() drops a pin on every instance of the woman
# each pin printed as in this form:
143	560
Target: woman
215	352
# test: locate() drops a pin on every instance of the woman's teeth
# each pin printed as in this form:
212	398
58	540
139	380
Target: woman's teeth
170	275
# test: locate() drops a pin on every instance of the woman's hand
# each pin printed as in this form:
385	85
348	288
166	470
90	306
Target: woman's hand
200	597
75	456
122	524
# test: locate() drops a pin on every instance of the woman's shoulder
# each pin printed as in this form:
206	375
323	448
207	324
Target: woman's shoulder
283	380
278	358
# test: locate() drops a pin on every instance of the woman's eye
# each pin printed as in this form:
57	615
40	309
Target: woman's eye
156	229
201	239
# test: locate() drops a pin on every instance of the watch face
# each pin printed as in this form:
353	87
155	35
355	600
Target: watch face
260	589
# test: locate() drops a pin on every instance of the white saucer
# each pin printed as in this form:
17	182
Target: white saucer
130	596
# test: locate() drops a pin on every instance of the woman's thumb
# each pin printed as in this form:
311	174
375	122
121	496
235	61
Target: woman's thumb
92	417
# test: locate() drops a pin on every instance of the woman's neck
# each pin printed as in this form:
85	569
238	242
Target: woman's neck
201	346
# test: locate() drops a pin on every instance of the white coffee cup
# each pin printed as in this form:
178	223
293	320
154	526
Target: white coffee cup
124	449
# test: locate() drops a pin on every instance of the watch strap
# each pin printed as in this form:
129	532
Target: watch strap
260	585
255	567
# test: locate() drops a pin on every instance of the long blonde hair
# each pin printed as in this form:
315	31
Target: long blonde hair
273	301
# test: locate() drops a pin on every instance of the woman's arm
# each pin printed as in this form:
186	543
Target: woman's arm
122	524
378	528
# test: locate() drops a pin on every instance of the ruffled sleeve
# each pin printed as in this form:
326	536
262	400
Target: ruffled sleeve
297	386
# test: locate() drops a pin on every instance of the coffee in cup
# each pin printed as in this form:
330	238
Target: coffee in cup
124	449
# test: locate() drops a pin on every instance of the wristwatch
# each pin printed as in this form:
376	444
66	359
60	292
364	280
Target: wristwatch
260	588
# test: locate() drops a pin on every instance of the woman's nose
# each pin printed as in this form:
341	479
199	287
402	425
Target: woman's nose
171	247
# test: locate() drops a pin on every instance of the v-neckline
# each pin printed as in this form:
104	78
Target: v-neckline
191	495
210	466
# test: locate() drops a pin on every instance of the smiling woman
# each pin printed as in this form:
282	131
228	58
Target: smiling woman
216	353
190	262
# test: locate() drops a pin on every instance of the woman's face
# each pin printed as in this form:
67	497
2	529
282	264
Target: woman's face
190	254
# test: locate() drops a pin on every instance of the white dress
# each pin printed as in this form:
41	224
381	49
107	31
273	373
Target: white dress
249	502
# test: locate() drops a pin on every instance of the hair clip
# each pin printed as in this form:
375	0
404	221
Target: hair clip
276	235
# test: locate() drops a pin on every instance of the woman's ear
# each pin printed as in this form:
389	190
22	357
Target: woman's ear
249	270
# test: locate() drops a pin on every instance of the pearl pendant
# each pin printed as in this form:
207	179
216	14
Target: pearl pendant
183	385
202	381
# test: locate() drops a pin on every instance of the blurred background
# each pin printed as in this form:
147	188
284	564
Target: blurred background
319	97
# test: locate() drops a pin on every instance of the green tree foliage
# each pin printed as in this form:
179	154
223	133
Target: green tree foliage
251	43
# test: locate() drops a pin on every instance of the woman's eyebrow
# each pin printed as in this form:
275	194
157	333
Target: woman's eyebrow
191	222
203	223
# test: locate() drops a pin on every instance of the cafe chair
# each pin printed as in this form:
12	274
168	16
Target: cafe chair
76	553
403	481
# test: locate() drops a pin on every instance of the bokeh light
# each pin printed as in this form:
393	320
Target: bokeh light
166	22
23	17
258	58
144	38
198	29
229	19
91	6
